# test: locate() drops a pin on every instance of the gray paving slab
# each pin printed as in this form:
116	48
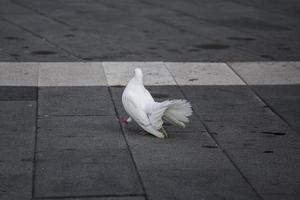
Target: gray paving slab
254	47
75	101
103	198
83	156
17	136
187	165
284	99
241	31
21	44
261	145
18	93
10	8
280	7
74	41
232	15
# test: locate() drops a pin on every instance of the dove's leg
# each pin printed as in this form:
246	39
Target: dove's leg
141	130
125	120
164	132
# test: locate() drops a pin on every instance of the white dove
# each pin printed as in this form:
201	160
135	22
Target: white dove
141	107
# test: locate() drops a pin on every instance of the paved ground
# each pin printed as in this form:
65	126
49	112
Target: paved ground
60	138
59	134
149	30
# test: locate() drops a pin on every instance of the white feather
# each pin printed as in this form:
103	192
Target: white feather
142	108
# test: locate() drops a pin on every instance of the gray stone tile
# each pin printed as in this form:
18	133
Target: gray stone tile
168	30
280	7
10	8
187	165
284	99
234	100
262	146
257	48
22	45
77	42
81	132
104	198
83	156
75	101
17	133
18	93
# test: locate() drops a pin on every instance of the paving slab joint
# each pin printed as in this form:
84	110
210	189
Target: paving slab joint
273	110
89	196
35	144
128	148
216	142
42	38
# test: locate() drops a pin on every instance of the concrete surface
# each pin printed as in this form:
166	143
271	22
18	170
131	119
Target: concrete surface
66	142
63	67
74	101
149	30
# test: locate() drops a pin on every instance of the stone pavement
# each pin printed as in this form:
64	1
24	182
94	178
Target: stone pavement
236	61
149	30
60	138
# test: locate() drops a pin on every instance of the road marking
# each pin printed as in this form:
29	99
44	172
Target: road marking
71	74
155	73
203	74
18	74
268	73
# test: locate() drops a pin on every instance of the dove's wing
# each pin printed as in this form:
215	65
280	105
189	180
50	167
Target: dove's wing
155	112
136	100
134	109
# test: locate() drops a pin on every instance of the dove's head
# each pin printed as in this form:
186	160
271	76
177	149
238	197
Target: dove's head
138	74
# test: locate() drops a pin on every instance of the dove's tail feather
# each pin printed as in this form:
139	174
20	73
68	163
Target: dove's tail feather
153	131
178	112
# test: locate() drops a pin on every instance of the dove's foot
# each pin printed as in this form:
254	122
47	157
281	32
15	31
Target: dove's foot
164	132
125	120
142	132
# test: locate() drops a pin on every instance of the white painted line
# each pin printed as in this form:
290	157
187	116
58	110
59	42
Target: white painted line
268	73
71	74
155	73
203	74
18	74
294	64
